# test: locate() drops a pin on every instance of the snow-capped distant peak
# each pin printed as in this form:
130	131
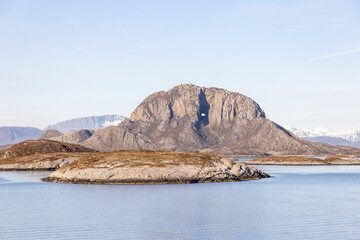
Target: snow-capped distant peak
113	123
352	135
90	123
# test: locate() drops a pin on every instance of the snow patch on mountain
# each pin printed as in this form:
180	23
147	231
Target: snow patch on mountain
113	123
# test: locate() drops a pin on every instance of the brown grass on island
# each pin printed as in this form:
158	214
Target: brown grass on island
117	159
41	157
141	158
34	147
4	148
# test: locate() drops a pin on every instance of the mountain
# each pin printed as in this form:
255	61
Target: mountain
345	137
193	118
51	133
75	136
33	147
12	135
90	123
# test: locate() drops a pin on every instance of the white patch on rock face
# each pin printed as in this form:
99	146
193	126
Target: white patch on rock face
203	114
114	123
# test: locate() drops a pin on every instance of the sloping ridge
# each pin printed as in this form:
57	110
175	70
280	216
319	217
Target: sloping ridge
34	147
192	118
50	133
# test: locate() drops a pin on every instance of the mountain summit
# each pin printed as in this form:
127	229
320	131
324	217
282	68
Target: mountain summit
193	118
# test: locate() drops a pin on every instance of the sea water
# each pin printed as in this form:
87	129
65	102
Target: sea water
299	202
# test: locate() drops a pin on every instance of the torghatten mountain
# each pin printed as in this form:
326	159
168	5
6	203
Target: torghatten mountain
192	118
90	123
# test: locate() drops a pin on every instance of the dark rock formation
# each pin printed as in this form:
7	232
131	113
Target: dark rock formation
192	118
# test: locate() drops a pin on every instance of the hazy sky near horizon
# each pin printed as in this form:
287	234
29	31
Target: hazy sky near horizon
300	60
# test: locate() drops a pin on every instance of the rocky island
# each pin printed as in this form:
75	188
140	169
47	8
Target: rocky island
76	164
306	161
153	167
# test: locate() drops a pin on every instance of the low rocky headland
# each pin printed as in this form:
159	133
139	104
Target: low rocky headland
305	161
153	167
40	155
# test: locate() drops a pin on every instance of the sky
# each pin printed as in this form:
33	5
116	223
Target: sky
63	59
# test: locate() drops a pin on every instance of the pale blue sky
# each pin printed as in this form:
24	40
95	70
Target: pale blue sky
67	59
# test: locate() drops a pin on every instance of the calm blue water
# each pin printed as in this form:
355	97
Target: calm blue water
299	203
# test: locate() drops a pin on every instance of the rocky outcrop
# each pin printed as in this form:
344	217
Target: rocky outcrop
192	118
152	167
33	147
51	133
296	160
75	136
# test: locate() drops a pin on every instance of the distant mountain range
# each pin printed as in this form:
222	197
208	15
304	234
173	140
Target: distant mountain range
90	123
345	137
12	135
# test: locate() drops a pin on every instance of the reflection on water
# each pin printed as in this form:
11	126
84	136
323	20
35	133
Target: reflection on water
298	203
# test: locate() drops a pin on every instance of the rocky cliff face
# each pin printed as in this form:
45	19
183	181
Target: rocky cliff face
192	118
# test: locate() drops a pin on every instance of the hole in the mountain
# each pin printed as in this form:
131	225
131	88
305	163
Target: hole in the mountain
203	118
